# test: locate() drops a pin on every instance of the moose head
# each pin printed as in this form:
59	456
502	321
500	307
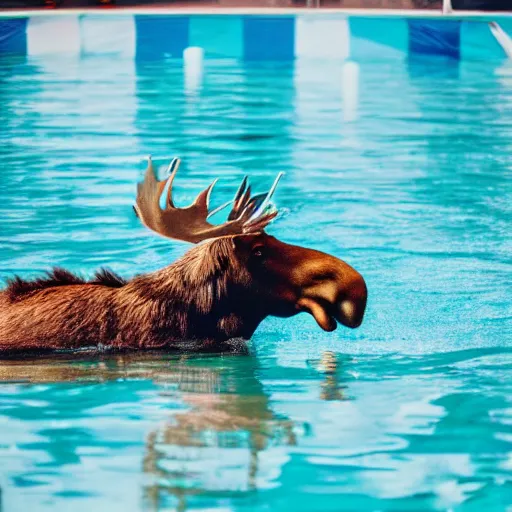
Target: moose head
286	279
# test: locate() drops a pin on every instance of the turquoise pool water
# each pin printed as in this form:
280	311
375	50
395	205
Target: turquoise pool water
413	411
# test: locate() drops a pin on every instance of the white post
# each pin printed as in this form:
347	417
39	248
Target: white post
350	90
193	57
447	6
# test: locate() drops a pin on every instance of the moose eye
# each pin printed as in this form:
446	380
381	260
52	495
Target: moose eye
257	252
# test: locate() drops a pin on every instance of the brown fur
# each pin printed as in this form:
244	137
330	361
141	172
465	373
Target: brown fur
185	301
212	294
18	288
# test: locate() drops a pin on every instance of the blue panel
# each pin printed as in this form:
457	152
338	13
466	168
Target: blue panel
435	37
220	36
378	38
269	37
505	24
161	36
478	43
13	35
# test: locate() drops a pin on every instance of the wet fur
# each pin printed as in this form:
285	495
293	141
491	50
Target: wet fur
204	297
18	288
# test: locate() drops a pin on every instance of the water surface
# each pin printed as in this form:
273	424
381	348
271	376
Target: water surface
410	412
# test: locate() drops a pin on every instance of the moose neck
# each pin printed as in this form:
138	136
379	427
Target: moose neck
202	297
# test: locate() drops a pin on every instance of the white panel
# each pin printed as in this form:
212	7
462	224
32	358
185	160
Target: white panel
53	35
321	38
108	35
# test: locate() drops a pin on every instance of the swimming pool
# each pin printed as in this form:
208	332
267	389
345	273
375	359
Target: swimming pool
410	412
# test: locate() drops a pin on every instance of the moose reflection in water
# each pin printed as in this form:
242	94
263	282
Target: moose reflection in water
228	441
224	437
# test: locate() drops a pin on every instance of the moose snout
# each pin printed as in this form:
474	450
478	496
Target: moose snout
338	294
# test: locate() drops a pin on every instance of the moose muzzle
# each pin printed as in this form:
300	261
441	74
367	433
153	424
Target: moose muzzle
338	297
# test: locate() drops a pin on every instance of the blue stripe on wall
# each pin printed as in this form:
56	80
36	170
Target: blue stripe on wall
478	43
220	36
161	36
269	38
434	37
13	35
377	38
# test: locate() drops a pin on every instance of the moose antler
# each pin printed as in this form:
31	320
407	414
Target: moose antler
248	214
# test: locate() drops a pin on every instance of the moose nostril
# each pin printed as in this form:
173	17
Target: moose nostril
348	308
323	276
351	313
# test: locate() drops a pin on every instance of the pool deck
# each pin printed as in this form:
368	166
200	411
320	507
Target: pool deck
274	11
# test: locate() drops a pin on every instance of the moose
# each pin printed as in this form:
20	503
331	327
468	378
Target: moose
222	289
